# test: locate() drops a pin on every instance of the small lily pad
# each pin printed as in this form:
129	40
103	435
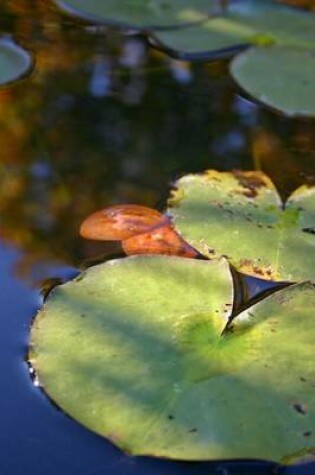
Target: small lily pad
15	62
241	216
134	350
246	22
280	77
141	14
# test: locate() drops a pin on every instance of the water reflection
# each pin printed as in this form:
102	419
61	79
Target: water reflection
90	128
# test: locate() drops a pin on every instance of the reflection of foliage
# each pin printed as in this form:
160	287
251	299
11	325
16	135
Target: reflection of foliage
103	120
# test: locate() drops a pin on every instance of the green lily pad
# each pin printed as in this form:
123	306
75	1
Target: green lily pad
245	22
280	77
274	393
241	216
15	62
117	347
141	13
133	349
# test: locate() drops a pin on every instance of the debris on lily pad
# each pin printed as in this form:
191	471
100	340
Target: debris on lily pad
141	350
241	216
15	62
141	14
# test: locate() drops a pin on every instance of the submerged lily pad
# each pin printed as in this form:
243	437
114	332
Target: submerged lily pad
133	349
241	216
281	77
15	62
246	22
141	13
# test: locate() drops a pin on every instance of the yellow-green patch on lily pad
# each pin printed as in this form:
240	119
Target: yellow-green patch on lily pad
241	216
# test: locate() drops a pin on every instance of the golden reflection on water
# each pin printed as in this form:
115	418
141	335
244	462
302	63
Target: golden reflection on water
105	119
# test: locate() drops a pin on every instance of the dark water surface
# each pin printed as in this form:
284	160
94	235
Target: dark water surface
103	119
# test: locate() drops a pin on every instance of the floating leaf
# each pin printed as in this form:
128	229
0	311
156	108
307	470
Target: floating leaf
142	230
15	62
240	215
120	222
163	240
281	77
134	350
140	13
245	22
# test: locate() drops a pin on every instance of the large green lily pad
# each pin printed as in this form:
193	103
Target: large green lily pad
240	215
134	350
141	13
112	347
15	62
281	77
245	22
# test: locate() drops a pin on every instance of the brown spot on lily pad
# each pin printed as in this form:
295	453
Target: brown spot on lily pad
250	182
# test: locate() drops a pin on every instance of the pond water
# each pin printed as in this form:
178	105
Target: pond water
105	119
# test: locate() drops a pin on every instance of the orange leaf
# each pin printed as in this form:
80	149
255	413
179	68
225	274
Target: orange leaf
161	240
120	222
